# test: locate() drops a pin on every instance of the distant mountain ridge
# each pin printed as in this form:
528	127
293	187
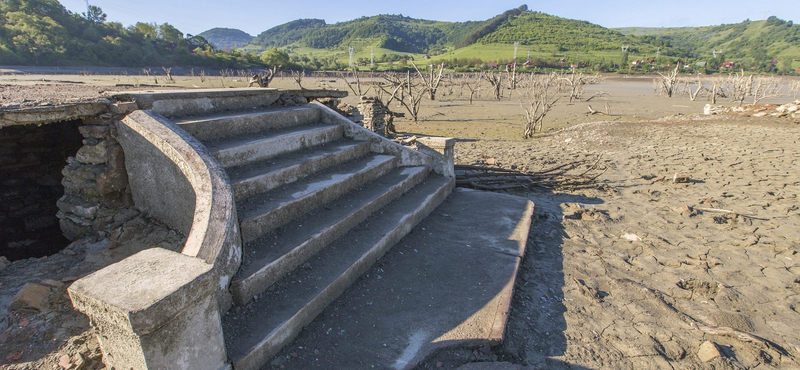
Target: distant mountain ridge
765	40
405	34
227	38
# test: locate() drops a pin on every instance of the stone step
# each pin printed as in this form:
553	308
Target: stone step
254	333
268	174
226	125
264	212
241	150
269	258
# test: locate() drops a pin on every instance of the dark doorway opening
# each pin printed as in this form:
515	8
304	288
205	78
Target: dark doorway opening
31	160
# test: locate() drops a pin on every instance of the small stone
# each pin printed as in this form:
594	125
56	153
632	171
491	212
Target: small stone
52	283
760	114
686	211
92	154
491	161
68	279
4	262
33	296
65	362
439	364
95	132
124	107
681	178
708	351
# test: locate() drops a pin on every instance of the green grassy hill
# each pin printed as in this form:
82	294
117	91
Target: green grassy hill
390	38
227	38
753	43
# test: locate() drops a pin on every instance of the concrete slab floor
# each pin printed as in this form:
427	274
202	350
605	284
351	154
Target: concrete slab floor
447	284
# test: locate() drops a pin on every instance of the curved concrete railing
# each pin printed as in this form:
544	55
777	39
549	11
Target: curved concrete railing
169	303
187	170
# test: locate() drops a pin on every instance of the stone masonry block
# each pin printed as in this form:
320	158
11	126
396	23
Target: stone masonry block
153	310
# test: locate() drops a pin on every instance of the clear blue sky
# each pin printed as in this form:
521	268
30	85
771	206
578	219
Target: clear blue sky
254	16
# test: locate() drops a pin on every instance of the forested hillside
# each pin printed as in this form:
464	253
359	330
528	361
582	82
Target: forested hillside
43	32
226	38
755	43
547	31
395	32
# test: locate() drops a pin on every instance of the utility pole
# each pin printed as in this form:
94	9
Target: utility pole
516	46
371	57
351	58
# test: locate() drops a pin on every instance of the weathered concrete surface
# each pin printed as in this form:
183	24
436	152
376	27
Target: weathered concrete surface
175	103
176	179
62	112
408	157
155	309
447	284
441	150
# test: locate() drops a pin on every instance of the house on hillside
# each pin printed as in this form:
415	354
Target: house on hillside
410	59
797	71
700	64
527	64
728	65
491	65
636	62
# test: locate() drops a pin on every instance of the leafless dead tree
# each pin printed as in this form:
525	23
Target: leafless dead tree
356	76
765	87
537	100
572	84
168	72
430	80
496	81
263	80
473	84
669	82
794	89
512	76
410	93
298	76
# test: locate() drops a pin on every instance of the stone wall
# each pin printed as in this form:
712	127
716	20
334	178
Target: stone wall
95	180
31	159
374	114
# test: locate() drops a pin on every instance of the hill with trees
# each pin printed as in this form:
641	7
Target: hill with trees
43	32
226	38
751	43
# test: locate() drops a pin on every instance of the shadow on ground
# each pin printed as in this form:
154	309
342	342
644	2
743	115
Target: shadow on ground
535	335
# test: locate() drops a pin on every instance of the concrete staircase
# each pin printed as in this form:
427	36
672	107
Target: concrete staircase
317	208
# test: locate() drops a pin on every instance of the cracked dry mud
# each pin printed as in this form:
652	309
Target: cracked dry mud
643	285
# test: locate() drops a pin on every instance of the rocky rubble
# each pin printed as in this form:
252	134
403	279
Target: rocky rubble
789	110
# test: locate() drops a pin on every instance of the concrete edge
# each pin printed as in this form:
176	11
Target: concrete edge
408	157
57	113
176	103
214	235
520	235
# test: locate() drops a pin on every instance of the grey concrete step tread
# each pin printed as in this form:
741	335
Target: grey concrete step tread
263	137
268	258
227	115
447	284
269	173
226	124
256	331
265	211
